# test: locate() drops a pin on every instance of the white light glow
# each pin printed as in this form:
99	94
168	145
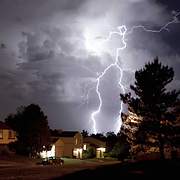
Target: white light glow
77	152
85	147
47	154
101	149
122	32
93	43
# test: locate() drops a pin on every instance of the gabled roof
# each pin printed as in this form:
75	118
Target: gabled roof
53	139
68	133
4	125
94	141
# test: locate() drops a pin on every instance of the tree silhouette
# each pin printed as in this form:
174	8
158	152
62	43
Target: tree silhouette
152	104
84	133
111	140
99	136
32	129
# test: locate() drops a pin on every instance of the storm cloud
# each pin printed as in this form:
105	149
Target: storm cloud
46	59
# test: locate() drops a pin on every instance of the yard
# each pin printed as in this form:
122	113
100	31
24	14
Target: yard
23	168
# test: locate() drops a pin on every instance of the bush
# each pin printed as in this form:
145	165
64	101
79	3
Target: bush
120	151
89	153
107	154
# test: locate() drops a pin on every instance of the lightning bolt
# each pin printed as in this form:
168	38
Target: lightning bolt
175	20
122	31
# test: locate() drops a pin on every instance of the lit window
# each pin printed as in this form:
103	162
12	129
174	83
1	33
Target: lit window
85	147
1	134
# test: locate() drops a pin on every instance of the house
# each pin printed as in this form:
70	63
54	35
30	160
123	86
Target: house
66	144
7	135
98	145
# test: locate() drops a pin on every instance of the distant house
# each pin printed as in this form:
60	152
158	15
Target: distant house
7	135
98	145
66	144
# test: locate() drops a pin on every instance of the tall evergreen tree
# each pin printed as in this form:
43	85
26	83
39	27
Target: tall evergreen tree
32	129
152	102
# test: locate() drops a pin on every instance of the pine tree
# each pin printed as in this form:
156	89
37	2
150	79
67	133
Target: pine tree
152	102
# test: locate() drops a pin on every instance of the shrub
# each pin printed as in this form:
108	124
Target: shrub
120	151
89	153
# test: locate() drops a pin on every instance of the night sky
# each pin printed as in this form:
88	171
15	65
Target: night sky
52	51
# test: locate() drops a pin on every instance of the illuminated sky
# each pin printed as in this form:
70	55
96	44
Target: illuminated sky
52	51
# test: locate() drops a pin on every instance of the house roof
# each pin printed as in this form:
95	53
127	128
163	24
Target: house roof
94	141
53	139
68	133
4	125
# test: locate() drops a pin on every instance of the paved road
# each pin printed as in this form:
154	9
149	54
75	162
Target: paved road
37	172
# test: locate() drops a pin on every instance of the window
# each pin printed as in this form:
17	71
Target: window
1	134
11	134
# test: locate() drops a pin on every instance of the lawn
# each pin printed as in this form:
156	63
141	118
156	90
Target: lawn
70	161
24	168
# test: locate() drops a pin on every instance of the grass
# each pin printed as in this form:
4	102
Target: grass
72	161
68	161
21	167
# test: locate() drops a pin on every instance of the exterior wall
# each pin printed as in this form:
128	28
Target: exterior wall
59	148
68	150
69	144
78	140
77	149
7	136
65	146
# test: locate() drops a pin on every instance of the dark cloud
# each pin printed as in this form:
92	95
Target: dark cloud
172	6
2	46
46	59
